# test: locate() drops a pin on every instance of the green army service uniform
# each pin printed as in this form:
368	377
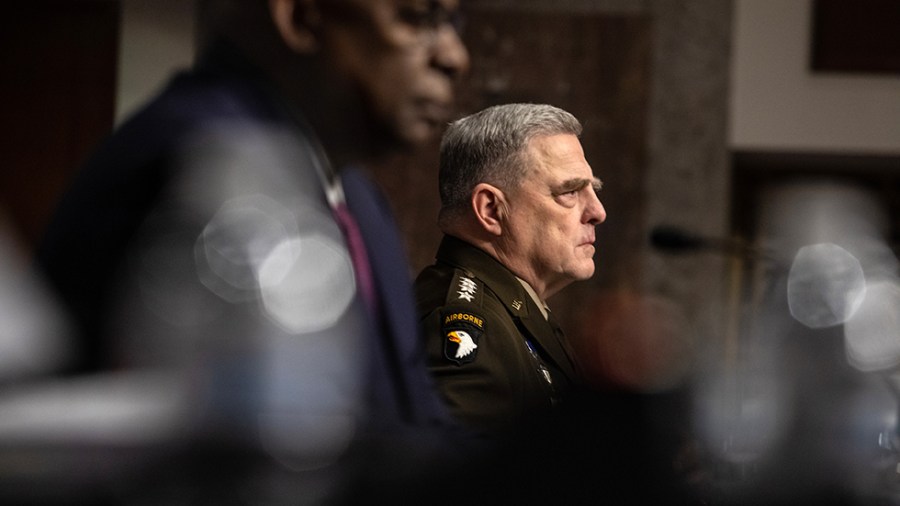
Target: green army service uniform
495	357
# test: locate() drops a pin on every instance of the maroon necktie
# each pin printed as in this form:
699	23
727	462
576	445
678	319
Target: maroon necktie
358	255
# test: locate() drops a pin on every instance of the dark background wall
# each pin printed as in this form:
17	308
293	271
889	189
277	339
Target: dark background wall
58	60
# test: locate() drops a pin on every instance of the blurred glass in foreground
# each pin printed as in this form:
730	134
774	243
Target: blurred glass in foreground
803	411
34	336
239	345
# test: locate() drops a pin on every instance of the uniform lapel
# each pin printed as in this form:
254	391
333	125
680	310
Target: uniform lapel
549	337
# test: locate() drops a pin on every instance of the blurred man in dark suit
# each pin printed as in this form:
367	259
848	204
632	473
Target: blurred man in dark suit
228	234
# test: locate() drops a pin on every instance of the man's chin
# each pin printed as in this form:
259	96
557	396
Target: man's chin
586	272
421	131
409	137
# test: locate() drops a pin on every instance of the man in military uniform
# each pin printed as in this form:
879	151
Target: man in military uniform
518	209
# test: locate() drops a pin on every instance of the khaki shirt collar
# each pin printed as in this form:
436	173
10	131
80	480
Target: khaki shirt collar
541	305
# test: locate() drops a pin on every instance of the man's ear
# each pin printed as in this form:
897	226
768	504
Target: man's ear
297	22
489	205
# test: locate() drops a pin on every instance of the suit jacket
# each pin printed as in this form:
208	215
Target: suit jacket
200	236
496	359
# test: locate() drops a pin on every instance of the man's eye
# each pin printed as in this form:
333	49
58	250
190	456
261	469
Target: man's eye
567	198
430	17
418	17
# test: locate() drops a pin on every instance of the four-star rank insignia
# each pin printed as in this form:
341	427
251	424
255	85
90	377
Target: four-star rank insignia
461	330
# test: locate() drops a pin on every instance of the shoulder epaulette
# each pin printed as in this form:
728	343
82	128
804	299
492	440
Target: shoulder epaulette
465	289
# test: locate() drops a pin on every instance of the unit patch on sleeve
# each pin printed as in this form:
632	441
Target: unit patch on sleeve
461	331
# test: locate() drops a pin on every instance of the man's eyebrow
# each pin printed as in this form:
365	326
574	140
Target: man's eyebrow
577	184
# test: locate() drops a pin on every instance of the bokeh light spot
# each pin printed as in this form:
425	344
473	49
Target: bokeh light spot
872	335
825	285
307	283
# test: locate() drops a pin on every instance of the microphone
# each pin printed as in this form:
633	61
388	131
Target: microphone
675	240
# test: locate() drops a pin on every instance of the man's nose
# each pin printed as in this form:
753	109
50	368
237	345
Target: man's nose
450	54
594	212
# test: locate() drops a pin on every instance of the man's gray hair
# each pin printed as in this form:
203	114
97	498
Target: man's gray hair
489	147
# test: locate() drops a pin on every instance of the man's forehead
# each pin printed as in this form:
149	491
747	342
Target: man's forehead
559	152
555	145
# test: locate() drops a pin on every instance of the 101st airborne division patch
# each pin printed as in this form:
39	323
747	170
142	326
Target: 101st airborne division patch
461	330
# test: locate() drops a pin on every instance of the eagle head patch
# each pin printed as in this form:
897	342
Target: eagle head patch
461	330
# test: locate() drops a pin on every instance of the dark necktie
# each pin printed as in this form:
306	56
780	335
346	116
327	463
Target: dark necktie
358	255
